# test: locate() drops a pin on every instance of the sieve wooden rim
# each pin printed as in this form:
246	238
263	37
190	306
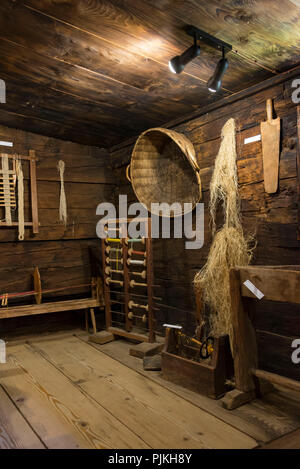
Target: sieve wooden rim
187	149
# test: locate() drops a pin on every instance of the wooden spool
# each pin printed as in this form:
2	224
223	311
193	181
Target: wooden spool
109	271
109	260
109	249
108	281
131	316
135	262
131	252
142	274
132	304
133	284
164	168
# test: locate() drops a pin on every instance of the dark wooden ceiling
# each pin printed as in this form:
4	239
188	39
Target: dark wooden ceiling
96	71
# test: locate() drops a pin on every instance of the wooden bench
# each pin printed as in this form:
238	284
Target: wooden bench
96	300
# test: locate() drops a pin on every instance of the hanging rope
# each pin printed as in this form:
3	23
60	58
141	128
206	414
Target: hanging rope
20	178
63	201
6	189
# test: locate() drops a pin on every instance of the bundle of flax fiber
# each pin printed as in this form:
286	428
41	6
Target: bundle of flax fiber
229	247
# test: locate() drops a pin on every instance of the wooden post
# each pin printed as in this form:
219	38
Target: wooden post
128	322
108	320
150	282
244	348
33	189
298	167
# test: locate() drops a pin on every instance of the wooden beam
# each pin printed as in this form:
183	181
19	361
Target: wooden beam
45	308
33	190
275	284
277	379
244	349
298	167
220	103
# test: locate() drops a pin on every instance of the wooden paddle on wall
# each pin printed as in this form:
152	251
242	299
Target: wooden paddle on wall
270	135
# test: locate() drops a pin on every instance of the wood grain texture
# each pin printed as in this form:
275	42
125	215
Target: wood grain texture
298	167
265	419
105	64
15	432
140	404
271	218
62	253
95	426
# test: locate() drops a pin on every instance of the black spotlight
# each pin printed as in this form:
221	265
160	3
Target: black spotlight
215	82
177	64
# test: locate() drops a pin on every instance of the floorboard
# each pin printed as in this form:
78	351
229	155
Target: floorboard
290	441
15	432
161	418
61	391
263	419
92	425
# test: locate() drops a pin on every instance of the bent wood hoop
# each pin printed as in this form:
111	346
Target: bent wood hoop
164	169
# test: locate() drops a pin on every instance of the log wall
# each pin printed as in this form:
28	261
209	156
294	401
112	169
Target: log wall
63	254
272	219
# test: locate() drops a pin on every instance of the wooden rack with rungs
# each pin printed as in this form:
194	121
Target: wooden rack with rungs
31	160
128	268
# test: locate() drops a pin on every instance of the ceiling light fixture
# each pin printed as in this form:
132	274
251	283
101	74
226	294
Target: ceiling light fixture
215	82
178	63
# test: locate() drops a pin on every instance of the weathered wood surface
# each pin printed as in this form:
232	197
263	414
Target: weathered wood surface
160	418
45	308
276	285
15	431
271	218
298	167
66	256
80	417
264	419
100	73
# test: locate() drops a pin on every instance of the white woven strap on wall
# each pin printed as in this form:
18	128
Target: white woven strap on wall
63	201
20	179
6	189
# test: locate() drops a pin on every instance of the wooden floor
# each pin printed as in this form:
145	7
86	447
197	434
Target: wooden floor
59	391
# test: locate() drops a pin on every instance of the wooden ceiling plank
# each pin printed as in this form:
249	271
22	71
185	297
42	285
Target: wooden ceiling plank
51	129
140	29
265	31
87	51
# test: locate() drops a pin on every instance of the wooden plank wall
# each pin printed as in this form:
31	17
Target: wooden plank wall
63	254
271	218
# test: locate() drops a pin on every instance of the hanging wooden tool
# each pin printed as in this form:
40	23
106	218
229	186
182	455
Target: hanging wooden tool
270	135
8	177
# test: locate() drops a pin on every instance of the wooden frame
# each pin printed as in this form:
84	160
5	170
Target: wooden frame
31	158
281	283
128	331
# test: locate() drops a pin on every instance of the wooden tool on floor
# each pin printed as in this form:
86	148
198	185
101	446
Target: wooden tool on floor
270	135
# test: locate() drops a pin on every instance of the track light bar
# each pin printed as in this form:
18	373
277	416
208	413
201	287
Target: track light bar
207	38
178	63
